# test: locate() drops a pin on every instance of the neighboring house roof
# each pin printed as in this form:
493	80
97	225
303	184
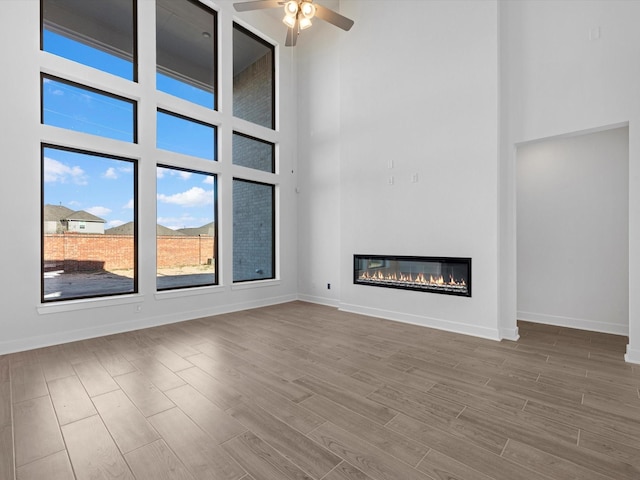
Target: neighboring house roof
127	229
162	230
124	229
82	216
207	229
55	213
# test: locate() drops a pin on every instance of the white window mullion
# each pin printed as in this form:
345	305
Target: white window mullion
147	141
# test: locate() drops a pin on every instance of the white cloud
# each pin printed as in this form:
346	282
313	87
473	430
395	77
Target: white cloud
162	171
194	197
50	85
208	180
55	171
129	205
87	98
98	211
110	174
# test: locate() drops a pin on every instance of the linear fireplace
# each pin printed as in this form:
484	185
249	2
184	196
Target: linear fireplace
447	275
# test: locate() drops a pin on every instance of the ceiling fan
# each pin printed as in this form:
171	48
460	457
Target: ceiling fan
297	15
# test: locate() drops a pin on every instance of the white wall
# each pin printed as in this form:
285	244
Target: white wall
570	66
418	85
24	322
318	73
573	235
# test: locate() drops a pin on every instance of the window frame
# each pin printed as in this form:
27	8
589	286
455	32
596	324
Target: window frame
134	33
272	47
134	164
145	154
215	229
216	146
88	88
266	142
216	64
274	210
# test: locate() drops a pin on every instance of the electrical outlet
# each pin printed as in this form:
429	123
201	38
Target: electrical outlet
328	286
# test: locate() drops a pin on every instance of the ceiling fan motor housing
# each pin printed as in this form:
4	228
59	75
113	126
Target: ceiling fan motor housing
298	15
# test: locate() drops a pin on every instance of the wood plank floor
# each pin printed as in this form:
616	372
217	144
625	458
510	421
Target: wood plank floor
302	391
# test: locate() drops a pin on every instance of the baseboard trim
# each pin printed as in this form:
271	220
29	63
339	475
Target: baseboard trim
40	341
632	355
423	321
510	334
329	302
578	323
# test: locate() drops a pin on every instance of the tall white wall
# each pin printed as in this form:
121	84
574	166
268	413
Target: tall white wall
570	66
318	73
24	322
418	92
573	235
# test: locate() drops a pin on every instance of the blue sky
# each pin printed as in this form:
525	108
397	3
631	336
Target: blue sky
104	186
101	186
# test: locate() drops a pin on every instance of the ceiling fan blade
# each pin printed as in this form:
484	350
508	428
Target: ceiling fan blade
333	17
256	5
292	36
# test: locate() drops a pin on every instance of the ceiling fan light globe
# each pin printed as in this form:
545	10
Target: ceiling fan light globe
308	9
304	23
291	8
289	21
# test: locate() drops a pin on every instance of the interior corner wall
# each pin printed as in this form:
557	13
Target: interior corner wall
573	231
572	68
418	155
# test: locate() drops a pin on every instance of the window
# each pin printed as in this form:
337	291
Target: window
88	224
183	135
253	231
68	105
253	153
97	34
186	228
253	202
95	149
253	78
186	51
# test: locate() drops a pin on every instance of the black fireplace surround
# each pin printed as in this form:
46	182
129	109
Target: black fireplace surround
446	275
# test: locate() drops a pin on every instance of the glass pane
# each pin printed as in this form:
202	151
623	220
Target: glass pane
253	78
186	51
181	135
186	228
67	105
253	231
86	196
97	34
253	153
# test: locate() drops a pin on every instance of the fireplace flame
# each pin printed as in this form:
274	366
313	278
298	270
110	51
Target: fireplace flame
419	278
